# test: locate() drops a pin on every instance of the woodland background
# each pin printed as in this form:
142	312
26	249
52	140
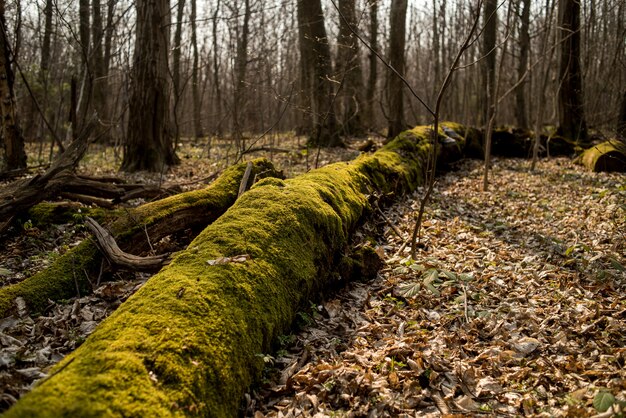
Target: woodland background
234	69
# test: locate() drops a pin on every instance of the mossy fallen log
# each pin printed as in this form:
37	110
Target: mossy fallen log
607	156
69	274
190	341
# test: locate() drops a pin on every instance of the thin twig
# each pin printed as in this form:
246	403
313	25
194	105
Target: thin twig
465	303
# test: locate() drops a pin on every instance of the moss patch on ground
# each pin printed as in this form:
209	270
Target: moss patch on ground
190	341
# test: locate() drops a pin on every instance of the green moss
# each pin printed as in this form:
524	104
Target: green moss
607	156
64	279
46	213
188	342
67	275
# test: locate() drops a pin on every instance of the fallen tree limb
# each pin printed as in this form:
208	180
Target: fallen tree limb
26	193
189	342
157	219
607	156
106	243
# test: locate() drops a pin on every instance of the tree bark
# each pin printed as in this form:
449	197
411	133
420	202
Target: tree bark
395	95
195	79
241	65
15	156
188	341
572	123
621	118
373	65
85	92
149	144
490	23
176	53
521	114
349	68
316	69
216	72
100	80
108	35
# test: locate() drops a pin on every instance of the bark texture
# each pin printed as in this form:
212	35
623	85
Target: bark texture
149	144
316	67
349	69
572	123
188	342
15	157
397	42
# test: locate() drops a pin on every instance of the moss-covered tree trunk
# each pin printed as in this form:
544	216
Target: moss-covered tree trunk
69	274
607	156
189	341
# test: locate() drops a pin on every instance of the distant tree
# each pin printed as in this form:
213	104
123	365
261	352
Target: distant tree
15	157
149	142
372	64
195	82
316	68
490	23
521	114
349	68
571	114
621	119
241	66
397	34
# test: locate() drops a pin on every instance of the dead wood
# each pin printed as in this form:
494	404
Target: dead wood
191	336
119	258
607	156
133	229
23	194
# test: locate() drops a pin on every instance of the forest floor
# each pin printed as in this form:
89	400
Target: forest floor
514	305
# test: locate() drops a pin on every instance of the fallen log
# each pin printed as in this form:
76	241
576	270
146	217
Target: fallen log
607	156
70	273
190	341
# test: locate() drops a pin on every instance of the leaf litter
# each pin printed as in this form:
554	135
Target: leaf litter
514	307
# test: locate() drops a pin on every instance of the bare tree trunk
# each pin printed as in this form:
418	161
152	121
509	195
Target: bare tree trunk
100	82
373	64
44	68
571	114
176	68
436	49
524	45
545	70
149	144
315	61
216	73
349	68
108	35
621	120
195	83
84	95
395	95
15	157
241	65
490	20
176	49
